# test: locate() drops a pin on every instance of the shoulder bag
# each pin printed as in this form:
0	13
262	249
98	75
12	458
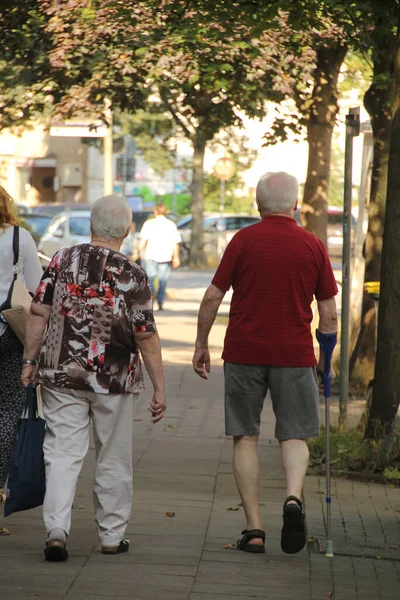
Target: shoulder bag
15	309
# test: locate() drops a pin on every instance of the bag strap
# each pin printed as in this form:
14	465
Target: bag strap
31	402
16	246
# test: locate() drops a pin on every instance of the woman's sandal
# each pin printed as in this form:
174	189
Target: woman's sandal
251	534
122	547
3	497
293	536
56	551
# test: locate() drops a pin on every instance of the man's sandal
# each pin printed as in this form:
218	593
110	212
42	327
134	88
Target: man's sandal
56	551
122	547
251	534
293	536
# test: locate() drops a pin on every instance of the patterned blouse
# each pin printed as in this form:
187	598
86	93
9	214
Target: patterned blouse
98	300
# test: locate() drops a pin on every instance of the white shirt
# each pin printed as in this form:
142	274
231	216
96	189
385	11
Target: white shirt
29	269
161	236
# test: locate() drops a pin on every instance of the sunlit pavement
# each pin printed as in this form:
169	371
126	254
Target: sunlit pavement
183	468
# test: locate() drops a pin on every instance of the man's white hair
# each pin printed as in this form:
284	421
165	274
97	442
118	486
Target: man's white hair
277	192
111	216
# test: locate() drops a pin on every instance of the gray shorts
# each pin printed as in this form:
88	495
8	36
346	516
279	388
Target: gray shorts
294	394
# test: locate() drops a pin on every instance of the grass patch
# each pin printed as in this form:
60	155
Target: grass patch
351	452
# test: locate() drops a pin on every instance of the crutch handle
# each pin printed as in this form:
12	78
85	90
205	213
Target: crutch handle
327	342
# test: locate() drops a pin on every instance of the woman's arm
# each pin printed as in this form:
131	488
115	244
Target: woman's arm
31	269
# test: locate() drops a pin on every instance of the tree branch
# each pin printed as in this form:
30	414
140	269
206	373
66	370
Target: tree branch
165	97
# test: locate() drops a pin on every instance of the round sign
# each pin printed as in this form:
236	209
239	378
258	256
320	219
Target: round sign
224	168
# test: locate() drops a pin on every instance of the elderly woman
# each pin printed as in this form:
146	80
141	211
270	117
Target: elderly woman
12	393
97	305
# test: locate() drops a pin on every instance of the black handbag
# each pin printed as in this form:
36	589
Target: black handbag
26	485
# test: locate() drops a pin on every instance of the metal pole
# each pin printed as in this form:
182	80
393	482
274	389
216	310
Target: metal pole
108	150
352	129
222	197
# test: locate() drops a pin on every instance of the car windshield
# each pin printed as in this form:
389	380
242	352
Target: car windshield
80	226
36	224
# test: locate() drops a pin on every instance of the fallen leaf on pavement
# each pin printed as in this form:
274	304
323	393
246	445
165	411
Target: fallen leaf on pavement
233	508
4	531
273	562
378	557
169	514
393	547
78	506
330	596
230	547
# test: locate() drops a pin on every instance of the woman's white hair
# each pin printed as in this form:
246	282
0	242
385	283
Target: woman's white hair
277	192
110	218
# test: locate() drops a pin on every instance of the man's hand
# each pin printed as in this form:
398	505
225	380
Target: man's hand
176	262
157	406
201	362
28	375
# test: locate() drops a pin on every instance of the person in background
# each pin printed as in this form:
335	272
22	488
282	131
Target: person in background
275	269
96	306
12	393
159	247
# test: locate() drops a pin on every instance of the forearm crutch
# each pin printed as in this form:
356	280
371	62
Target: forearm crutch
327	342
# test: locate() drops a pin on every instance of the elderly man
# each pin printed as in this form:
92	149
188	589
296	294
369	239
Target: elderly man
97	306
275	268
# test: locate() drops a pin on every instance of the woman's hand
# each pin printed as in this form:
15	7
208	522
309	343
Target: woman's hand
28	374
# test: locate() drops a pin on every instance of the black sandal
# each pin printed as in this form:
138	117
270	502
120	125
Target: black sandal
251	534
56	551
293	536
122	547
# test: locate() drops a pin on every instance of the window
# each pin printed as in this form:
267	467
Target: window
79	226
246	221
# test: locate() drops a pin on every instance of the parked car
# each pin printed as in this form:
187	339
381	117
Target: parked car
216	222
218	231
50	209
69	228
35	224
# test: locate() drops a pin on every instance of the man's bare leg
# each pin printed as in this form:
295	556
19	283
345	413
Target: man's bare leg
295	457
246	470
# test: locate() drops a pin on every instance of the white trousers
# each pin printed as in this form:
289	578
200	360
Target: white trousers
68	414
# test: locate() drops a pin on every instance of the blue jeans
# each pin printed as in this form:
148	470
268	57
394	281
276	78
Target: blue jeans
161	271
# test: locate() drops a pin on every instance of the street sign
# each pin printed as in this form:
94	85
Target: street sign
224	168
94	129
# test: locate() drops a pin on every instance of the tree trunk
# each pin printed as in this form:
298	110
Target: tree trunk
196	244
320	122
378	102
386	391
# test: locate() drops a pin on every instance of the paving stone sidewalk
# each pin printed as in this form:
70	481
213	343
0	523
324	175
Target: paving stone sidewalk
183	467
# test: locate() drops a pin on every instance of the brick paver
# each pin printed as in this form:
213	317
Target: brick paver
183	466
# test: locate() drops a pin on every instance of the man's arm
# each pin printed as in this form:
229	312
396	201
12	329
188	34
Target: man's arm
327	323
150	349
208	311
39	315
176	261
142	247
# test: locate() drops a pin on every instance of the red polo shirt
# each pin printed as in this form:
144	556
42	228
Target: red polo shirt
275	268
